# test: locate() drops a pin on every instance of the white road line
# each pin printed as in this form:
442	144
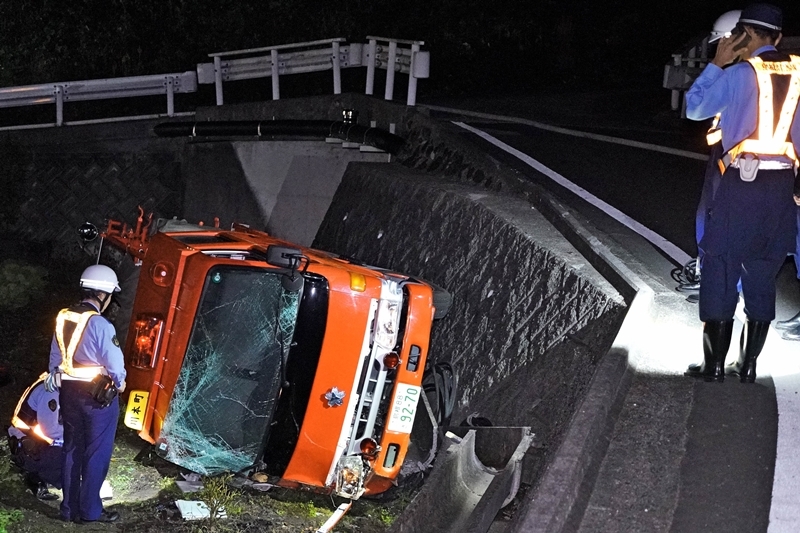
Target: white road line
573	133
675	253
779	360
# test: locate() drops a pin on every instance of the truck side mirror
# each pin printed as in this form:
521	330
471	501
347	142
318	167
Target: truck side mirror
284	256
88	232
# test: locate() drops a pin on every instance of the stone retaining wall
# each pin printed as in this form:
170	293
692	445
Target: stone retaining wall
530	317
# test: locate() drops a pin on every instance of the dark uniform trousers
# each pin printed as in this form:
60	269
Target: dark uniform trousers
38	457
89	431
750	228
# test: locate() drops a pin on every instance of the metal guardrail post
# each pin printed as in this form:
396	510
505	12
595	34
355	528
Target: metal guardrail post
411	100
676	94
218	78
373	49
170	96
337	70
389	93
276	89
59	90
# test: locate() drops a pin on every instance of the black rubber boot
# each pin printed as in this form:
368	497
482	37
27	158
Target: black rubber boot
752	341
716	341
792	323
39	487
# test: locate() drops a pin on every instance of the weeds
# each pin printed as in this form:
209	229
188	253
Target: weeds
9	517
386	516
218	496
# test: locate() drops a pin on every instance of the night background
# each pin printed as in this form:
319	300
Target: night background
477	47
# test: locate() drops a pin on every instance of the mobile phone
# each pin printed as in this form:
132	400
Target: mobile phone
737	31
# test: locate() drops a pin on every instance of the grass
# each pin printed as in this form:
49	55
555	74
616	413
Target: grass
8	517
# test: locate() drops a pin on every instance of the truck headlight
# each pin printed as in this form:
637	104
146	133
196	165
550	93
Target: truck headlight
350	477
386	324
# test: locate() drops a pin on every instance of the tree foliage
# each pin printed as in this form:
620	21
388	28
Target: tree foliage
475	44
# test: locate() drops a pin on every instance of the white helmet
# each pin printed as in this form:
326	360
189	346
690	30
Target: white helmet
101	278
724	25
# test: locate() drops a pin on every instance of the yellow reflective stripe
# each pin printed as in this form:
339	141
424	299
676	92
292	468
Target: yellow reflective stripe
67	352
772	141
757	146
714	134
766	114
86	372
17	422
789	105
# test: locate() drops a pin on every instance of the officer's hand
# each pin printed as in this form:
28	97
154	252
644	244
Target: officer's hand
797	200
725	50
50	384
121	388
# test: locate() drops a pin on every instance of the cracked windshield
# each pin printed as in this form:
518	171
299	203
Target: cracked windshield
230	379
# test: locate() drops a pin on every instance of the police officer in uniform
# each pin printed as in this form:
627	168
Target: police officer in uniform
35	439
751	224
85	360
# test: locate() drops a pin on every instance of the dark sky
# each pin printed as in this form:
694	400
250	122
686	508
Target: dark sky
474	44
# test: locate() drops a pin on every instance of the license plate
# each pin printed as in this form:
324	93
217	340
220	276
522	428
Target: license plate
404	407
134	413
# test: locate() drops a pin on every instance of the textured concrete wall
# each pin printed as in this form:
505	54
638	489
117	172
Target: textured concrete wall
530	317
283	186
64	190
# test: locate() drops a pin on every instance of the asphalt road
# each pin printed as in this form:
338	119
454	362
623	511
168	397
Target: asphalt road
685	456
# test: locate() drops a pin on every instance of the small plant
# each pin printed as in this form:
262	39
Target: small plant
8	517
386	516
218	496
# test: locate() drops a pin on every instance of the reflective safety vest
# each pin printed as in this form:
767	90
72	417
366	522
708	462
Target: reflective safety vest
80	319
24	418
714	134
771	141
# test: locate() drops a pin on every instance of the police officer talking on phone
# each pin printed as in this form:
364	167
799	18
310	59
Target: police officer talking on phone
751	224
87	363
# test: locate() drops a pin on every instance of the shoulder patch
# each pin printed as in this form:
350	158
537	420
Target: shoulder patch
52	405
115	341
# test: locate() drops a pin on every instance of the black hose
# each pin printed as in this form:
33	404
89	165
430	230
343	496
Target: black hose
378	138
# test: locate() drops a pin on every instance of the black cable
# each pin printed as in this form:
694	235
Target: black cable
687	277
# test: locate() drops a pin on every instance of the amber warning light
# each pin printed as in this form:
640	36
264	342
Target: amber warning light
147	338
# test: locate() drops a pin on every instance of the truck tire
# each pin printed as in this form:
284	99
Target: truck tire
442	300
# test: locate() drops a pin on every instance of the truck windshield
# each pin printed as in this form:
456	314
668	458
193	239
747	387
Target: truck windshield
229	382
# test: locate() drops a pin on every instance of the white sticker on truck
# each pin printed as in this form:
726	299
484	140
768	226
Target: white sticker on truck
404	407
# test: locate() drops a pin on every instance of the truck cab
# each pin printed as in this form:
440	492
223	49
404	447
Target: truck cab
250	353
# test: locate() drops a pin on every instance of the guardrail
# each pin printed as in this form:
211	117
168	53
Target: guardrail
411	61
75	91
391	55
315	56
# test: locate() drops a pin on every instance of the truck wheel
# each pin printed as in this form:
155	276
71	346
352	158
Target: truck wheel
441	301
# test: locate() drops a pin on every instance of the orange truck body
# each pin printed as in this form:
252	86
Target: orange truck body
330	409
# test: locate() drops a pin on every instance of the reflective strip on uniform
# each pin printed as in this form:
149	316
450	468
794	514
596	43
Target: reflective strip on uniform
20	424
714	134
771	142
67	352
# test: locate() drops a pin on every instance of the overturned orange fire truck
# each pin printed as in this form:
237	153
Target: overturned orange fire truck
246	352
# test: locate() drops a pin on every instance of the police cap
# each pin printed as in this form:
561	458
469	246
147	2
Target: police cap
763	15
